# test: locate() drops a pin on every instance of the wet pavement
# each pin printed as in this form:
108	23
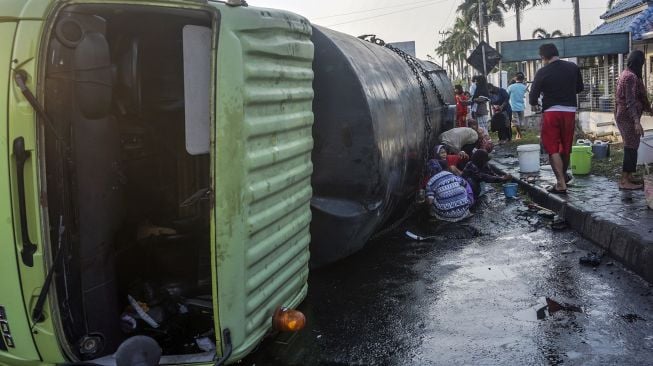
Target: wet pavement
471	296
618	221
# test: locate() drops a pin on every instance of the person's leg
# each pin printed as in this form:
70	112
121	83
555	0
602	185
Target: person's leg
566	141
558	169
629	167
520	121
551	136
509	128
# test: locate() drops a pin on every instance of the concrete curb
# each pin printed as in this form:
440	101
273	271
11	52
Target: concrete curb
624	245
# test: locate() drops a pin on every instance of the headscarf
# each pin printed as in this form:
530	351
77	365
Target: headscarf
481	87
433	167
635	62
480	157
436	151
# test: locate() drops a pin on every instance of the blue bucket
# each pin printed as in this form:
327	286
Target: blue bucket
510	190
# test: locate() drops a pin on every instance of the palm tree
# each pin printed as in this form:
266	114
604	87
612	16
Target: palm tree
518	6
611	4
576	4
459	40
542	33
494	14
576	17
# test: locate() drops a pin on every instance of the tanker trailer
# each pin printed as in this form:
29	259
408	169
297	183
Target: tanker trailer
377	110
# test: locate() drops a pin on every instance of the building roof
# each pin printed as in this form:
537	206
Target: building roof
617	26
622	6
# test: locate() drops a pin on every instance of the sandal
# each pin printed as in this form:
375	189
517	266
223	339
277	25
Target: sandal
554	190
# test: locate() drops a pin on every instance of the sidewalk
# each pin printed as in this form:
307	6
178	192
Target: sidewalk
618	221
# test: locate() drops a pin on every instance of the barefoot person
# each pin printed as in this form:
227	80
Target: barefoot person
558	82
631	101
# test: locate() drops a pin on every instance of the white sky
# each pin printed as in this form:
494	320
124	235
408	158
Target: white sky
421	20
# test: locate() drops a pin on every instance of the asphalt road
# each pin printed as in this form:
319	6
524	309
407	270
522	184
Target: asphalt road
471	297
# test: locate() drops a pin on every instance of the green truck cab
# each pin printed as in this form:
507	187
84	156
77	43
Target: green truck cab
156	162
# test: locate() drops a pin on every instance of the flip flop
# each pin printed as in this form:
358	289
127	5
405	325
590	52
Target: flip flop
554	190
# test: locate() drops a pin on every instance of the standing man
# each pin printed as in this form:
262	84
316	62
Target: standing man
517	91
558	81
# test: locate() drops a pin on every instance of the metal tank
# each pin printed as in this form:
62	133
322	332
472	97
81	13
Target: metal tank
371	138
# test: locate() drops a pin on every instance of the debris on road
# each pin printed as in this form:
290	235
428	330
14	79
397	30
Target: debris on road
591	259
632	317
557	305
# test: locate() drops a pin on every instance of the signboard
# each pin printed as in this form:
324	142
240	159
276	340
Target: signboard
492	58
408	47
582	46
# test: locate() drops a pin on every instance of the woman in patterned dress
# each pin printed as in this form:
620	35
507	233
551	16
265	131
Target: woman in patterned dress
449	196
631	101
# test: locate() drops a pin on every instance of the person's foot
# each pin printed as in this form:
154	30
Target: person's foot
629	186
569	179
556	189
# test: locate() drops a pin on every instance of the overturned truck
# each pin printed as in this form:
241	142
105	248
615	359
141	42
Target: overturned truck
169	164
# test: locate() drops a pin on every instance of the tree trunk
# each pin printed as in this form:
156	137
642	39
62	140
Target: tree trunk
518	20
576	17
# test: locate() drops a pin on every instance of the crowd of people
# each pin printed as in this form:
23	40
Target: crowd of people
456	170
459	165
493	108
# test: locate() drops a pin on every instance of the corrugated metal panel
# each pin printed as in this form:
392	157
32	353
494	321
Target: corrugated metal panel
618	26
621	6
265	142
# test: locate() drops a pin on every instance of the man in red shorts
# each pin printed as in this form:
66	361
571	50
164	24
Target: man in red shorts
558	82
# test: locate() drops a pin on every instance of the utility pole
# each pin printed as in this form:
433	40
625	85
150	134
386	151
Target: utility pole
481	26
442	35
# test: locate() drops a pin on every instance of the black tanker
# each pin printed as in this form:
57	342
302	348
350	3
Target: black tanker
371	137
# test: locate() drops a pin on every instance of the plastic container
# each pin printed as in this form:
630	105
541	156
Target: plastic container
583	142
510	190
645	151
600	150
529	158
581	159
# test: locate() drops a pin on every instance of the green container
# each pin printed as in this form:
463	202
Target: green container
581	159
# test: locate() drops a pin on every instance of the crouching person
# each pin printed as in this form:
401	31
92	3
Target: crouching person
449	196
478	170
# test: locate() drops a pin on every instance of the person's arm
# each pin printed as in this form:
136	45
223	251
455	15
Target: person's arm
580	86
536	89
454	169
488	175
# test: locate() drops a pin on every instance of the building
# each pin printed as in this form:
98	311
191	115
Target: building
601	73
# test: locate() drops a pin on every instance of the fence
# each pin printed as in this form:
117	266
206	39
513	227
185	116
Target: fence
600	89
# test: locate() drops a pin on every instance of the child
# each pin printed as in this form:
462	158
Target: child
451	162
484	141
461	106
478	170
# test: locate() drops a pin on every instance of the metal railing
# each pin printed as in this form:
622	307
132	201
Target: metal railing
600	88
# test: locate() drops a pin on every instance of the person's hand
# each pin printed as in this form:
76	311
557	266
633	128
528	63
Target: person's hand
507	177
463	155
639	130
